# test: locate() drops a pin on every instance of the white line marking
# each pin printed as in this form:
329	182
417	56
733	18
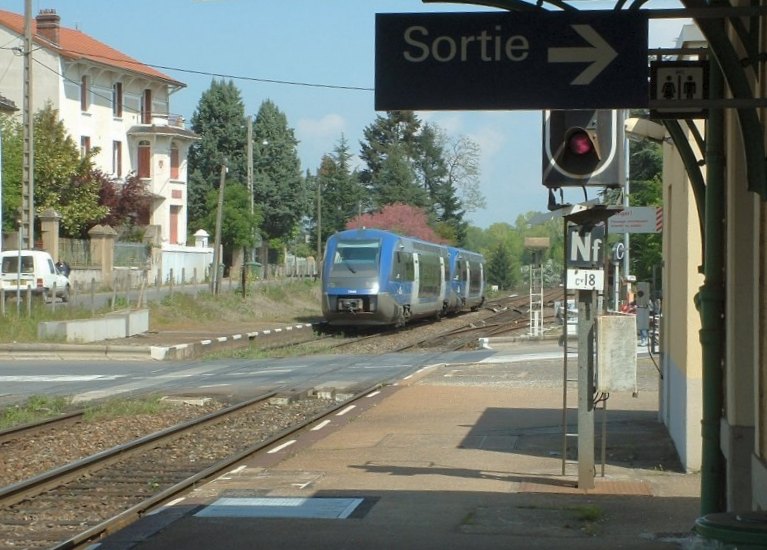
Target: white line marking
373	394
284	445
346	410
168	505
320	425
61	378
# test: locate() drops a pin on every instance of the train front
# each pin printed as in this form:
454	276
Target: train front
354	279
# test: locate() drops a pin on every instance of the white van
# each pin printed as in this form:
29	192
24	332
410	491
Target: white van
38	272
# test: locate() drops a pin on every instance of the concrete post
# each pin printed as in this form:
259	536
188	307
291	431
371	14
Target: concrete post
103	251
49	223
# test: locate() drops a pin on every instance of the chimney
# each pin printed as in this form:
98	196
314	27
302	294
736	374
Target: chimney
48	25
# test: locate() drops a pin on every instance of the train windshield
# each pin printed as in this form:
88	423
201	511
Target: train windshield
356	258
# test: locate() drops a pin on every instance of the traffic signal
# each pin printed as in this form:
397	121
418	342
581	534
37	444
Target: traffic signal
643	295
583	148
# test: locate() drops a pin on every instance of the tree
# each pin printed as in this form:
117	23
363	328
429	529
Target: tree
220	122
406	161
462	161
400	218
128	203
63	179
279	187
396	181
238	225
340	191
432	167
645	169
13	147
500	268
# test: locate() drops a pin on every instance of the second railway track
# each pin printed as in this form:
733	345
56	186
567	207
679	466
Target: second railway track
70	505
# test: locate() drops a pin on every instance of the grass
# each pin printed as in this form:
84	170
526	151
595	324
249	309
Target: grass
588	515
117	408
22	326
41	407
279	301
34	409
273	300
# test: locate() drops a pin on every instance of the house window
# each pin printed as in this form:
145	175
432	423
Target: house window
117	99
84	94
85	146
146	107
174	162
144	159
117	158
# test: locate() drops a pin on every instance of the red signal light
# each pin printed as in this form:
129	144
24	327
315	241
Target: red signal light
580	143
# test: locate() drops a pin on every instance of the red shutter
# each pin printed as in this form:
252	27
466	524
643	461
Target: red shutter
144	161
174	162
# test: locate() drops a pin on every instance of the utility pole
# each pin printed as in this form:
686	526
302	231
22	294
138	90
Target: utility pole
215	283
319	227
28	184
249	177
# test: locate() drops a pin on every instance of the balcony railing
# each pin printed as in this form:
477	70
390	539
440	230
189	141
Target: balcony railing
168	119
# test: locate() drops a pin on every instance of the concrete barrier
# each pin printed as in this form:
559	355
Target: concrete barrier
111	326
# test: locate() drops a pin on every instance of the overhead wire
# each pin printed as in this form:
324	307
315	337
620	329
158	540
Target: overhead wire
231	76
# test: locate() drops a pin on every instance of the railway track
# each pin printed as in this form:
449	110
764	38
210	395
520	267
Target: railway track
34	428
89	498
510	315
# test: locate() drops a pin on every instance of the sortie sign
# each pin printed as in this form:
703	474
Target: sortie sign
500	60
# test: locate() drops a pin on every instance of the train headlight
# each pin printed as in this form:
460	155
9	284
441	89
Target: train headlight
374	287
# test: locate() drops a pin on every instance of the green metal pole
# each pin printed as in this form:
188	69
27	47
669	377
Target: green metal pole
711	307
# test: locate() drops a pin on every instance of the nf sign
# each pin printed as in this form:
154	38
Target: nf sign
500	60
585	248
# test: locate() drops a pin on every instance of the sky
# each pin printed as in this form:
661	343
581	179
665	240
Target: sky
326	49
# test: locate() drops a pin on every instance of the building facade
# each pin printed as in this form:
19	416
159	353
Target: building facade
109	101
715	367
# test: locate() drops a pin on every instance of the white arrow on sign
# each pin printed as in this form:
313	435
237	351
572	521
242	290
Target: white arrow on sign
600	54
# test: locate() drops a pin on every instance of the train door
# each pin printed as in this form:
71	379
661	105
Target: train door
443	289
463	277
475	280
414	301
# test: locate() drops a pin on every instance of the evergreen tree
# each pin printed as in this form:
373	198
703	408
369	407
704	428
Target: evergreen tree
500	268
395	181
398	128
220	122
342	194
407	161
279	187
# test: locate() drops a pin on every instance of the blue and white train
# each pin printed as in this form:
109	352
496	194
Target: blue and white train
373	277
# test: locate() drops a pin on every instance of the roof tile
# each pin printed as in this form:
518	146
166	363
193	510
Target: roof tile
75	45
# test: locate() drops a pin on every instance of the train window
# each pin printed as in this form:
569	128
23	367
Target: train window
402	267
356	256
430	272
475	284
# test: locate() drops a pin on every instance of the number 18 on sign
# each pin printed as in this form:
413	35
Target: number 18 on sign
585	279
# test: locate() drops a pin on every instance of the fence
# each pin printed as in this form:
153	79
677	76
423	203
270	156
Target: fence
76	252
184	264
137	255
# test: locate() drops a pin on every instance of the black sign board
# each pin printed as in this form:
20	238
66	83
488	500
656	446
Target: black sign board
501	60
585	246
